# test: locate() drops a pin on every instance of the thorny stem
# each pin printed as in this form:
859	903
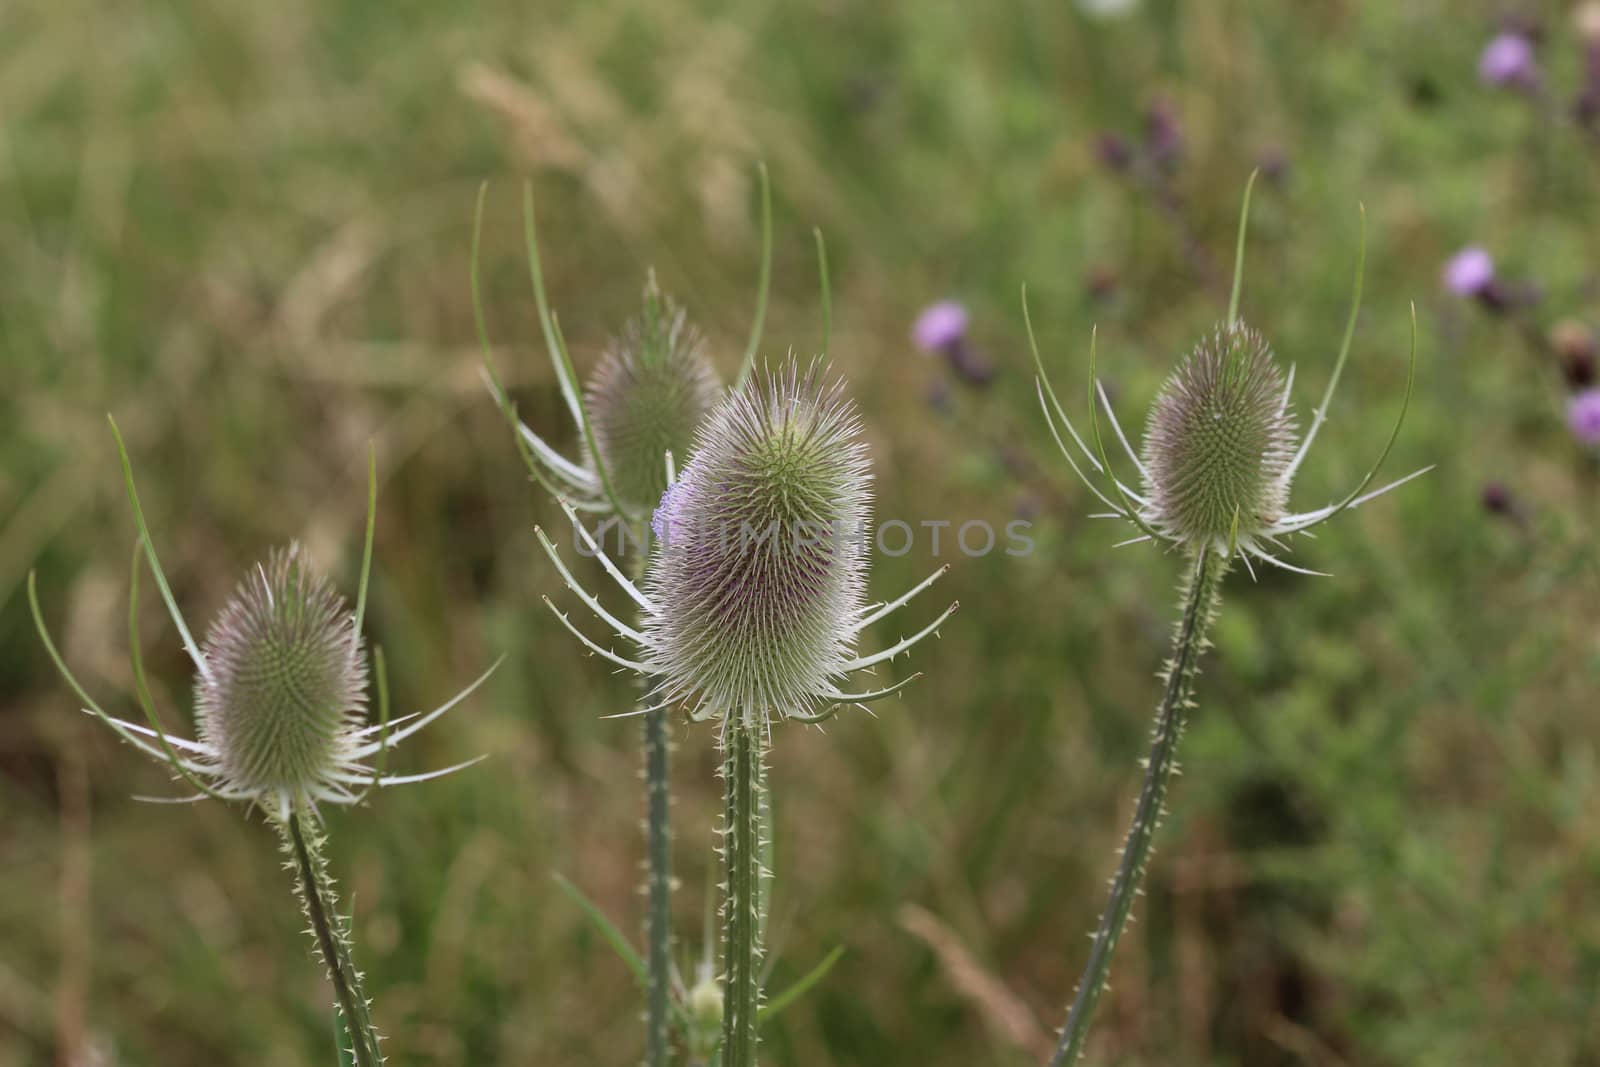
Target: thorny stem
1188	643
658	879
658	883
316	894
741	909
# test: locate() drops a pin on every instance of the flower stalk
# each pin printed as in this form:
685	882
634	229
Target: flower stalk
1200	598
742	773
658	884
315	888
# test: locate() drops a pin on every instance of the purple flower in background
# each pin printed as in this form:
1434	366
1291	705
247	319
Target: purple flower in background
941	330
1509	61
1163	135
1583	415
1470	271
940	326
1114	152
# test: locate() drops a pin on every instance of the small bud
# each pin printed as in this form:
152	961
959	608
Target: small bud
1219	442
1101	283
1274	164
647	396
1496	498
756	593
705	1004
1114	152
286	688
1574	345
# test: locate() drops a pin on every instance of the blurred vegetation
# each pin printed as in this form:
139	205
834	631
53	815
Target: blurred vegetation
244	229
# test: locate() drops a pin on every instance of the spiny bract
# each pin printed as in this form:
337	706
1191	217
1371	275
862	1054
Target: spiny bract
286	689
761	573
647	397
1218	441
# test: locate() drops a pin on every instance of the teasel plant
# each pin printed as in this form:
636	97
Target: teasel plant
642	403
1220	451
751	610
280	712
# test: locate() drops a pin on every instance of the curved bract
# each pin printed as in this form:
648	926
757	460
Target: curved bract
642	403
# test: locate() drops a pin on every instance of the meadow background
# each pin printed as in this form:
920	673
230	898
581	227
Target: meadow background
245	229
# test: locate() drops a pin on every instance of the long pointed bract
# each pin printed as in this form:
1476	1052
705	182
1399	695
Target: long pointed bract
758	323
189	644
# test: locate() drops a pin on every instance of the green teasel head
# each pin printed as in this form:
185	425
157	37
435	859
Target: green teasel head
281	684
285	690
1218	441
760	574
647	396
755	594
1220	450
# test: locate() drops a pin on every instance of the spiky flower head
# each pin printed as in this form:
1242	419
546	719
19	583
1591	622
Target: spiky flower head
1219	441
286	690
649	393
1220	449
280	687
759	582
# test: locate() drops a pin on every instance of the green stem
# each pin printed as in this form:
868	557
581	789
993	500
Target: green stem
1188	643
658	884
658	874
316	893
741	913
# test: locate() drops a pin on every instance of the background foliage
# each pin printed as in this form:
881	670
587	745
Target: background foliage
243	228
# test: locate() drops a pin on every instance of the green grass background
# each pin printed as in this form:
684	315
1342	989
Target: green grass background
244	229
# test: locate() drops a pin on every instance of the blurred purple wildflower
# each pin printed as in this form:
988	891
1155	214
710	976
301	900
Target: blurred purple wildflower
1114	152
1470	271
940	326
1583	416
1509	62
941	330
1163	136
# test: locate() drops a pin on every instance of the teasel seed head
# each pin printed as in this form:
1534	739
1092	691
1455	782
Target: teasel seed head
759	586
1219	442
286	689
649	393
